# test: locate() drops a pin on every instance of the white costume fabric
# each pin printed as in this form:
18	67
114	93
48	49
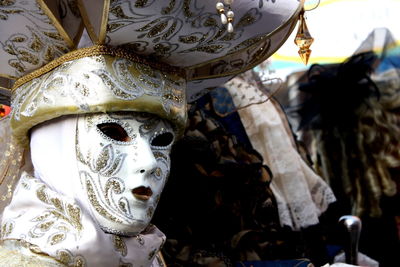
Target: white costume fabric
50	210
301	195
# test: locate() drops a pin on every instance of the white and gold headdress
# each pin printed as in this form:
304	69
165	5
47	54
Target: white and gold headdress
143	55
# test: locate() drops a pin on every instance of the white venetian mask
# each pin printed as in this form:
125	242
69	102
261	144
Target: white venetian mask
123	163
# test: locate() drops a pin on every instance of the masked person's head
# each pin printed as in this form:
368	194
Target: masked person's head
115	163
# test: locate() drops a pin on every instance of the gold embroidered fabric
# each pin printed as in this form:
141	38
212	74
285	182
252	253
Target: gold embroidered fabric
185	33
12	162
32	35
16	253
52	224
188	32
101	83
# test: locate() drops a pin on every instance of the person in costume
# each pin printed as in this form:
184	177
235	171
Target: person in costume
86	147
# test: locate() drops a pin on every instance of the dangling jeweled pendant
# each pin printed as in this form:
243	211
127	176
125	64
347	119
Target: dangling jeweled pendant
303	40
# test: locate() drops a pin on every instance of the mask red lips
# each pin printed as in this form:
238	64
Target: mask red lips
142	193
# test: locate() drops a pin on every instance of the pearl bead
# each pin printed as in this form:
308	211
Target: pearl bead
224	19
228	2
219	5
230	27
230	14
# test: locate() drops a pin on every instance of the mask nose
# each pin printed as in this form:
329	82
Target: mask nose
146	162
150	172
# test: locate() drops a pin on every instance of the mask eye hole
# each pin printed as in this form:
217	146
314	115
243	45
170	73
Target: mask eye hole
114	131
162	140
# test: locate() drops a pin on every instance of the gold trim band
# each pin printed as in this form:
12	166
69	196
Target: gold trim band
95	51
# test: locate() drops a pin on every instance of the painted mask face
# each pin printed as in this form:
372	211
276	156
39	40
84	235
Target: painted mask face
123	163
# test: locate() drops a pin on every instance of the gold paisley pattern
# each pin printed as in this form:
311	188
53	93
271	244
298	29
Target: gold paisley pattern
99	168
32	46
119	245
105	164
192	30
57	221
19	248
162	31
94	199
11	161
6	229
260	47
66	91
66	257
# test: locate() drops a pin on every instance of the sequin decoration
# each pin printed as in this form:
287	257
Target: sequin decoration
163	32
66	257
119	245
93	198
97	84
59	219
6	229
32	46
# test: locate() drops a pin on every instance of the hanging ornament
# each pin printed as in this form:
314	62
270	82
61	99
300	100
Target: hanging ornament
303	39
226	18
230	16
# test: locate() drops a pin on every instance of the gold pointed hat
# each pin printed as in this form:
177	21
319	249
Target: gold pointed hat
143	55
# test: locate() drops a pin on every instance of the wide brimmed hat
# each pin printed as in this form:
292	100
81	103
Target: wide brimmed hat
143	55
